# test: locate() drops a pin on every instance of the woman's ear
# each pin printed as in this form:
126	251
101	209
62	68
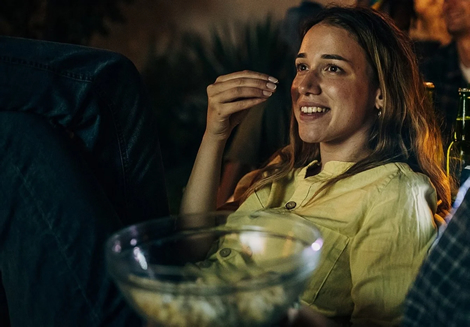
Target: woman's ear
379	100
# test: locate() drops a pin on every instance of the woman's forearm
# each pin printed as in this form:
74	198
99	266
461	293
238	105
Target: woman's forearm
201	191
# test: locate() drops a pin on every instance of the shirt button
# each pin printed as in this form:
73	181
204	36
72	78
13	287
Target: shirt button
291	205
225	252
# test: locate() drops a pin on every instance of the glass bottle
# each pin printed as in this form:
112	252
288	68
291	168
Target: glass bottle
458	152
430	91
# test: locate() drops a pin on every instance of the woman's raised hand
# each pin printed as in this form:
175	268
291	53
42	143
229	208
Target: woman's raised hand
231	95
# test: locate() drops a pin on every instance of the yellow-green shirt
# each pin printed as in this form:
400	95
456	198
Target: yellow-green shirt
377	227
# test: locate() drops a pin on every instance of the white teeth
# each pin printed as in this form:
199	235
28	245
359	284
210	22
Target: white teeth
309	110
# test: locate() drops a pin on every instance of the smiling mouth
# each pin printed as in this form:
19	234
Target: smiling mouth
312	110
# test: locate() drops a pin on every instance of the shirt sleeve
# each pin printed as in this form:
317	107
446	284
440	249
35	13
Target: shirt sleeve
387	251
244	183
247	180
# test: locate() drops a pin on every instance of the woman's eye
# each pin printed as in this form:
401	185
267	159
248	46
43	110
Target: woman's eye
333	68
301	67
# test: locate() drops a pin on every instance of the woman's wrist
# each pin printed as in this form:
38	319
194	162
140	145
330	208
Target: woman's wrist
219	139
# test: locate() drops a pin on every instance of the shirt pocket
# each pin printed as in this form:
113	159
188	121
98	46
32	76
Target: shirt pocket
331	281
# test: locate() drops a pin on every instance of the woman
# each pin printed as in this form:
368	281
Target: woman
364	162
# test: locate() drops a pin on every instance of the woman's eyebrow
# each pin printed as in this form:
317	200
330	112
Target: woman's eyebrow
325	56
333	56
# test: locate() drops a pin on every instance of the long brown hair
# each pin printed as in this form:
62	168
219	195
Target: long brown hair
406	131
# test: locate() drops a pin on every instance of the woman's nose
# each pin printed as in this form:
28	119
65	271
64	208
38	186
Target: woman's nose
309	84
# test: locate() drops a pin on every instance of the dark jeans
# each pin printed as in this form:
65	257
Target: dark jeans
62	196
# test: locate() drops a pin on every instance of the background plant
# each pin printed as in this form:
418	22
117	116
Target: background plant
177	80
68	21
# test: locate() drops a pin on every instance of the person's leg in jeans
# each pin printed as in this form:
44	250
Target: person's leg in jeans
97	96
54	217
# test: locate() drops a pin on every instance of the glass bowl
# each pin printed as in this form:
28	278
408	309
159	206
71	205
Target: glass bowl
215	269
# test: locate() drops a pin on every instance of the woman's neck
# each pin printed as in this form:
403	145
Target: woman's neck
335	153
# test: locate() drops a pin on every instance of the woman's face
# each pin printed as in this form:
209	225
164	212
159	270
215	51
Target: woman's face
332	94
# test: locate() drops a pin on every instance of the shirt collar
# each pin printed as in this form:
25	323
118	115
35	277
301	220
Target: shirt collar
330	169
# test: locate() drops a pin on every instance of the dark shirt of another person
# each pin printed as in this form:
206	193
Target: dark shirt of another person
443	69
440	295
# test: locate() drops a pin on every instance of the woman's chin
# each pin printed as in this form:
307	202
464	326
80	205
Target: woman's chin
309	138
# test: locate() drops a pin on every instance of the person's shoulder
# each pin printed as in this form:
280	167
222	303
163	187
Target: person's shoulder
392	180
425	48
248	179
400	185
404	170
390	169
398	192
444	51
400	174
443	56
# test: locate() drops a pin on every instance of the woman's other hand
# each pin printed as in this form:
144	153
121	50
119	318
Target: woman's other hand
231	95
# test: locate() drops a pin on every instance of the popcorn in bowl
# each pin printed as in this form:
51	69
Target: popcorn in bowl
234	271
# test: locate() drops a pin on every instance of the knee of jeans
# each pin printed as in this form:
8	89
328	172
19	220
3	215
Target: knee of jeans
117	68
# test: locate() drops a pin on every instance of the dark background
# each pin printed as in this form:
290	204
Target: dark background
179	46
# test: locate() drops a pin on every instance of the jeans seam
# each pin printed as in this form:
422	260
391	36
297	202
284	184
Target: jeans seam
43	216
49	68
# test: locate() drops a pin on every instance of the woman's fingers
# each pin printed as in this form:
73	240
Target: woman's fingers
238	86
232	107
231	95
246	74
241	93
242	89
244	84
